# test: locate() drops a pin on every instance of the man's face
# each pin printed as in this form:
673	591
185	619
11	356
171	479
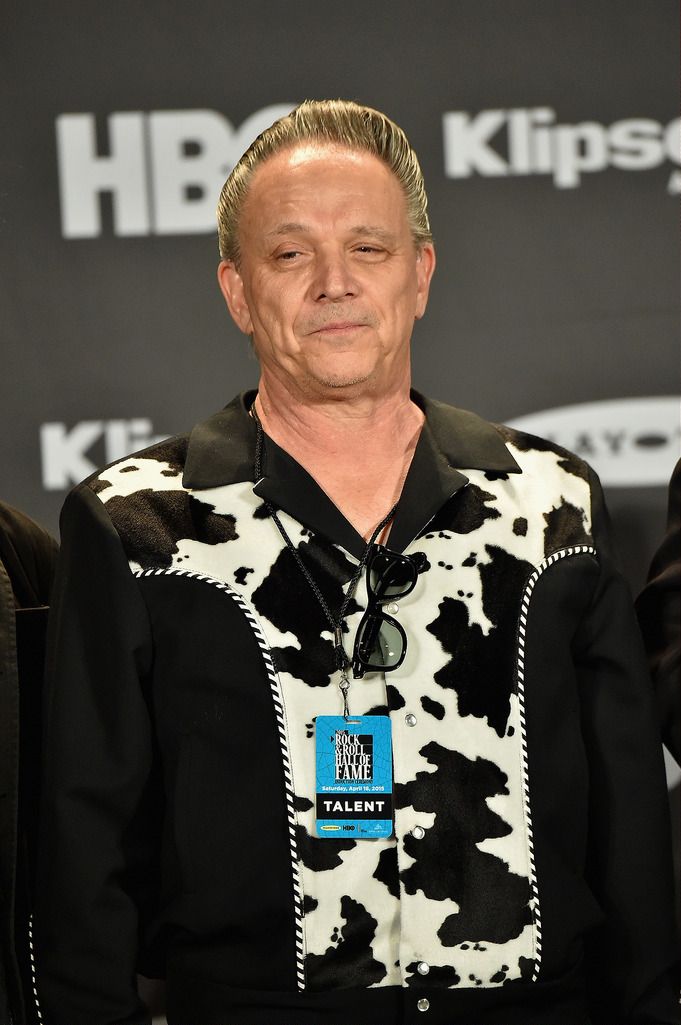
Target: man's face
330	281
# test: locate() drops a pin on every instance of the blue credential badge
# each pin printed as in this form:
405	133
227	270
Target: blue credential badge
354	777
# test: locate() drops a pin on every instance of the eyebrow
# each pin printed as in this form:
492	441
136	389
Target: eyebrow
359	229
284	229
375	231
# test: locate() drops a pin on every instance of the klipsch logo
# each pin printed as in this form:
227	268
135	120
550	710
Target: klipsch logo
163	170
629	442
68	455
499	143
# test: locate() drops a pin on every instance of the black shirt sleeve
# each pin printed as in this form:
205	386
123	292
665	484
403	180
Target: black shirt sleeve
97	844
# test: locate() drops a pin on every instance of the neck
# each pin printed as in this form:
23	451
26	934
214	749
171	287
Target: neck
338	426
358	449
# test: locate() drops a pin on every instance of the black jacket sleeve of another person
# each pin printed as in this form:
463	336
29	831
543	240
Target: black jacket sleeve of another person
28	554
633	957
27	560
659	613
97	868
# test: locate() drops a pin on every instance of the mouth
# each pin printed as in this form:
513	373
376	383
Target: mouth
338	328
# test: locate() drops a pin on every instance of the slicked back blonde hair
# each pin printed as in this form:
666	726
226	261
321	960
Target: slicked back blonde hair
340	122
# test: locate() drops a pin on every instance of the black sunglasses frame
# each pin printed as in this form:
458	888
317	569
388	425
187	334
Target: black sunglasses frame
374	616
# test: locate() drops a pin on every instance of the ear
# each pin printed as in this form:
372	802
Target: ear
232	287
425	267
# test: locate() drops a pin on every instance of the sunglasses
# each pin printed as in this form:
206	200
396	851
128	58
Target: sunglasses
381	643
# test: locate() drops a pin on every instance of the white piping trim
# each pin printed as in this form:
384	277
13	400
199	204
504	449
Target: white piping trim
522	627
34	981
280	714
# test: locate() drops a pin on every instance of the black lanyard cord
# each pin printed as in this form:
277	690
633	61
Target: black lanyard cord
342	661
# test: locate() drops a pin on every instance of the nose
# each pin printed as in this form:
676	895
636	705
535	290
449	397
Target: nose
334	279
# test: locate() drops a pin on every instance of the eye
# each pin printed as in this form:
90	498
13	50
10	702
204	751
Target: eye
289	254
369	251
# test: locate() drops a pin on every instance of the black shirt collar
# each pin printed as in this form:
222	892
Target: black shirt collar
222	451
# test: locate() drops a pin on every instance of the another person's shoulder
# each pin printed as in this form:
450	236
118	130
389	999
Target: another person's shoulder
659	613
28	553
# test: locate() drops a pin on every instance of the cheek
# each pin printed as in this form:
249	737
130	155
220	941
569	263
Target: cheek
405	303
275	321
279	306
267	312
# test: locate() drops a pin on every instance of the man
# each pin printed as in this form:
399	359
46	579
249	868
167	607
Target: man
659	614
229	634
27	560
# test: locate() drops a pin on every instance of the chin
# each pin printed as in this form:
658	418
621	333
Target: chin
338	381
339	377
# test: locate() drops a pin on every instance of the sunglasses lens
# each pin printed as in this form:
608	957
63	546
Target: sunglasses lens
379	643
391	576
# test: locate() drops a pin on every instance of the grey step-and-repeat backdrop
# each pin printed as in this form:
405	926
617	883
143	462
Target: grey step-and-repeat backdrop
549	136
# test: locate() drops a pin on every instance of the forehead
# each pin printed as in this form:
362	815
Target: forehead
321	181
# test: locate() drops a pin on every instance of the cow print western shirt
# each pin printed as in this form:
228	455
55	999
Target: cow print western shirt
527	881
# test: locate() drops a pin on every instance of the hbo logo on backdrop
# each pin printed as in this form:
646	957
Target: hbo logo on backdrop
164	169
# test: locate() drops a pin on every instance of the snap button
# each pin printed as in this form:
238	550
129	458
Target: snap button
422	968
418	832
423	1004
410	719
393	608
